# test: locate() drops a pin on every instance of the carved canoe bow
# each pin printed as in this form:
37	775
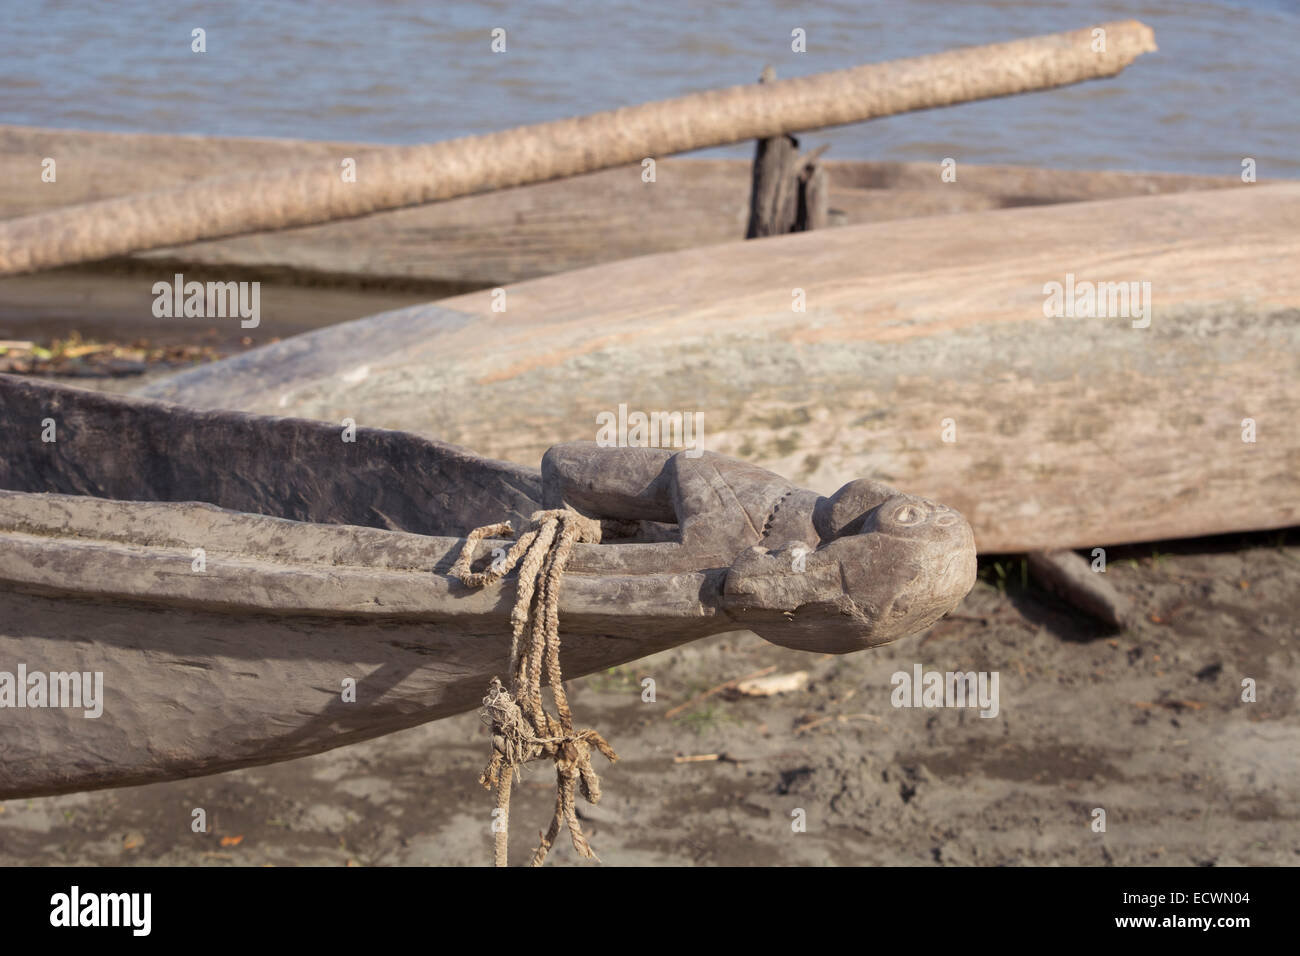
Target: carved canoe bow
214	579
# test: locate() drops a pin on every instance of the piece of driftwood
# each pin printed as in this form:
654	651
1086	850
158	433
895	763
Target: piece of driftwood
1070	577
789	192
923	358
411	175
814	195
494	238
228	575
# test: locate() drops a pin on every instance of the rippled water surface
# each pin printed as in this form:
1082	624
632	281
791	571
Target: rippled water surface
1224	85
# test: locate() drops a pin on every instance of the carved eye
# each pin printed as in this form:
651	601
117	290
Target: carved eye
908	515
946	519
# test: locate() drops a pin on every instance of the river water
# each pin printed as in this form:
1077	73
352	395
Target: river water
1224	86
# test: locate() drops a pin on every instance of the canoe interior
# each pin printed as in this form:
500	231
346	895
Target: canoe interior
76	442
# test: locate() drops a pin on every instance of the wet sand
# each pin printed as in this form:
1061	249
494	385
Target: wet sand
115	302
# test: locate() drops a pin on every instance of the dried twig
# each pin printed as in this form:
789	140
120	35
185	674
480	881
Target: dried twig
673	712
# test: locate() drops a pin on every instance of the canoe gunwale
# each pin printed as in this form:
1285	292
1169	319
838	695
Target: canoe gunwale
81	545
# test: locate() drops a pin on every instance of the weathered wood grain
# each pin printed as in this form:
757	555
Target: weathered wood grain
1069	432
191	689
789	192
513	234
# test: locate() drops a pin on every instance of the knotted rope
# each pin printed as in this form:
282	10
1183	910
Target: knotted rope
522	730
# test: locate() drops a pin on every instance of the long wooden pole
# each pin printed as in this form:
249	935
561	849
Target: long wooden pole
393	177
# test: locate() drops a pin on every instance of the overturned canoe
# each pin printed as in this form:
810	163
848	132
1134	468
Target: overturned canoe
512	234
925	356
188	592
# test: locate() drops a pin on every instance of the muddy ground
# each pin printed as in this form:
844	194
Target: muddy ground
1148	725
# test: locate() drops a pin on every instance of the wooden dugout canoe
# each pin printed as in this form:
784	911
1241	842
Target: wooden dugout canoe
512	234
322	560
1070	432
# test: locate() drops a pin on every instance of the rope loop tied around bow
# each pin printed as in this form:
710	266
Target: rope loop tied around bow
522	729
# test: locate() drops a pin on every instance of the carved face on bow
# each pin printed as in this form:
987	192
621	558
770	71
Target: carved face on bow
886	565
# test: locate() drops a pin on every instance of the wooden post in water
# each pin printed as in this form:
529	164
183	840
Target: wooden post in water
790	192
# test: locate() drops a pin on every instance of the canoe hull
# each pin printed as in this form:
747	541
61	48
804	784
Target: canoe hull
228	575
225	639
189	691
